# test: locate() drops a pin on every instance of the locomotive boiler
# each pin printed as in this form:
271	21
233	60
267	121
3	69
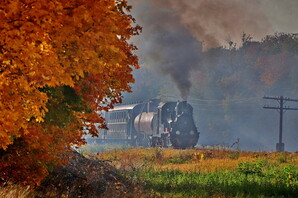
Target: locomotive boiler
153	123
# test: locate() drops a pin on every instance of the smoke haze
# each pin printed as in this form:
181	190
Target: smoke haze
166	45
174	32
181	42
215	21
282	14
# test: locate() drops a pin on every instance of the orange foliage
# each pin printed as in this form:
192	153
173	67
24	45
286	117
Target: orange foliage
77	45
274	67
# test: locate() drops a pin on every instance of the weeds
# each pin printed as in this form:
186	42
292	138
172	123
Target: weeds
230	184
203	173
180	158
158	155
234	155
290	175
250	168
283	157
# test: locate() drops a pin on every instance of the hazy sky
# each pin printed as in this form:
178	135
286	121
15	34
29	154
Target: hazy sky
282	14
213	22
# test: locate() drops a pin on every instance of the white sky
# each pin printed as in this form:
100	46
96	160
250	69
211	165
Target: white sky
283	14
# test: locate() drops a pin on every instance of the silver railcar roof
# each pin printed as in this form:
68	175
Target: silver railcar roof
124	107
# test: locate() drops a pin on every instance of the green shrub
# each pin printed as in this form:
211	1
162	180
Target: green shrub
250	168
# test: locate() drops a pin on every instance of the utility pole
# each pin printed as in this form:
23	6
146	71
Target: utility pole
280	146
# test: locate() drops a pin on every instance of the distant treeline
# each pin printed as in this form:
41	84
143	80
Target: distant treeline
227	85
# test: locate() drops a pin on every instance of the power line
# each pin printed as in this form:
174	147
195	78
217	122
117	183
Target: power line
214	100
235	104
280	146
225	100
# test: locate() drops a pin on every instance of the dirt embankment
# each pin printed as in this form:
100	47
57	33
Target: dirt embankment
83	177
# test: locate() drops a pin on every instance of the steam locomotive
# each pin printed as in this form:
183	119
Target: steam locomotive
153	123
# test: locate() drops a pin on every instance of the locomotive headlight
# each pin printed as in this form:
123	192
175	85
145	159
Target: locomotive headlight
191	132
177	132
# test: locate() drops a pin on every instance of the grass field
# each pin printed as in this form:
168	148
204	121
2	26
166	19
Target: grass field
208	173
197	173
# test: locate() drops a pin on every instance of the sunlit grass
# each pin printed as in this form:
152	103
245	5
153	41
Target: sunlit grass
16	191
209	173
190	159
197	173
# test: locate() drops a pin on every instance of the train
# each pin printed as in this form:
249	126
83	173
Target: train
151	124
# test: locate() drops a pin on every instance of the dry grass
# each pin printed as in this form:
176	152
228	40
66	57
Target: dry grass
205	166
16	191
189	160
209	173
158	159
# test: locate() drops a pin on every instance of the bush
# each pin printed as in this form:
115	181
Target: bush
250	168
234	155
283	157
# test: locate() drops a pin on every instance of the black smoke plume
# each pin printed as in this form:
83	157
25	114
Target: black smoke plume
174	32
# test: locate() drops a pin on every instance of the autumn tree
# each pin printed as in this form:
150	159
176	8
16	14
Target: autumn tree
61	63
277	59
